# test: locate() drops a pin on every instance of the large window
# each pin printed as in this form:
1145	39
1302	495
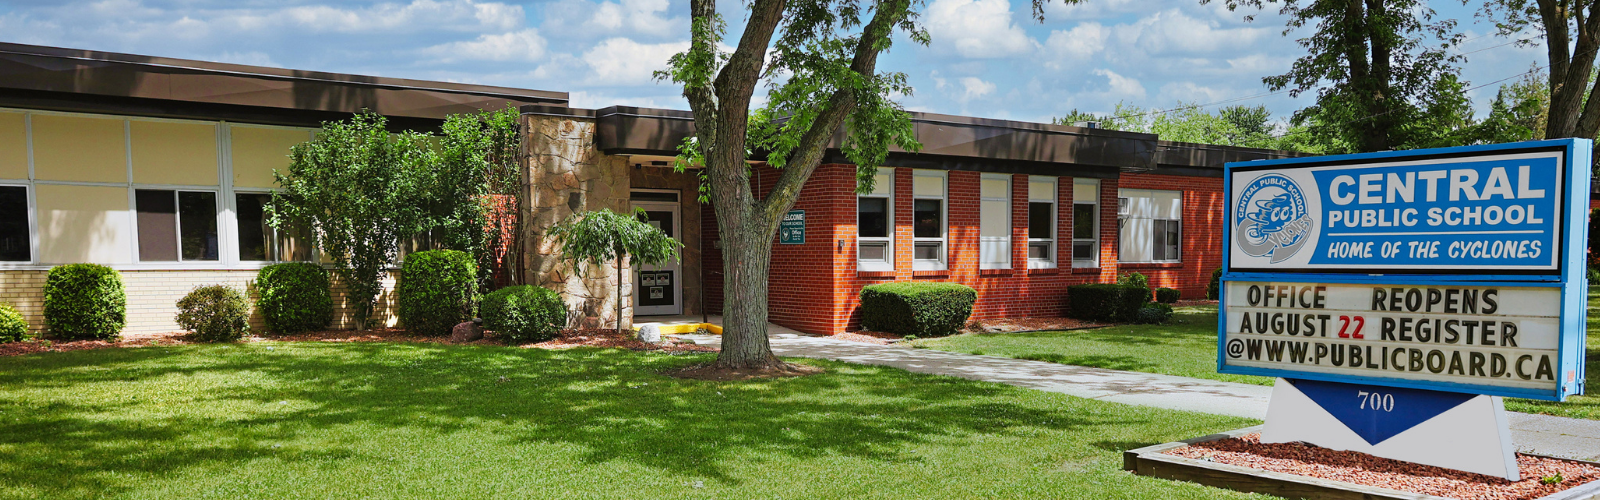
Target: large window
259	241
1085	222
1041	222
994	222
928	223
1151	225
15	244
875	224
176	225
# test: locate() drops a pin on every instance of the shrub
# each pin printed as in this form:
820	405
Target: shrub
438	289
920	308
1154	314
1135	279
1106	302
13	327
524	313
294	297
215	313
1168	295
85	301
1214	290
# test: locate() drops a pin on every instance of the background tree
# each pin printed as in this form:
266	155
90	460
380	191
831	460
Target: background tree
473	192
1239	125
1571	32
818	59
1374	68
599	237
360	190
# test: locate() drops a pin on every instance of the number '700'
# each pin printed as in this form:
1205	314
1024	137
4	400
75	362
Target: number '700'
1375	401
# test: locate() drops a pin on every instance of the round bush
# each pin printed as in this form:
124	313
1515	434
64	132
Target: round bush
294	297
13	327
438	289
85	301
524	313
920	308
216	313
1168	295
1214	290
1154	314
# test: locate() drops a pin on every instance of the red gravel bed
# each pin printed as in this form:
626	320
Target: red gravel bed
1008	325
39	345
568	339
1192	303
1360	468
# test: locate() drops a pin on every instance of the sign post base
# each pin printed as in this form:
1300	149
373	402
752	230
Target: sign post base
1458	431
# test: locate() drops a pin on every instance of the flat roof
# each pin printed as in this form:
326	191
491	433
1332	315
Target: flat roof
33	76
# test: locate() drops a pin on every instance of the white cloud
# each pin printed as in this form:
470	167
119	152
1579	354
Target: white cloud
1190	92
1173	32
622	61
391	17
1091	9
977	28
524	45
1080	43
973	88
1121	86
588	20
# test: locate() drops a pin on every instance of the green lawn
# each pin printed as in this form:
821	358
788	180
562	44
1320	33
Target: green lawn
1188	347
400	420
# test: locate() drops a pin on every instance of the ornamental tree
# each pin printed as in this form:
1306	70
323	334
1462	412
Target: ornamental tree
603	236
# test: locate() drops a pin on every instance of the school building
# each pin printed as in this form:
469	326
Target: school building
159	168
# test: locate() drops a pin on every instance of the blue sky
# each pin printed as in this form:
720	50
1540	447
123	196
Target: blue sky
989	58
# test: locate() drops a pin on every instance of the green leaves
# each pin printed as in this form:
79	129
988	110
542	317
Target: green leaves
524	313
13	327
214	313
917	308
294	297
602	236
438	289
85	301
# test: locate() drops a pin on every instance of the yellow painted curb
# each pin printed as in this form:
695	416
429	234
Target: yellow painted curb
687	328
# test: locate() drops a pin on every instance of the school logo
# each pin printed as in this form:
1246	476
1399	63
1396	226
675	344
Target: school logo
1271	218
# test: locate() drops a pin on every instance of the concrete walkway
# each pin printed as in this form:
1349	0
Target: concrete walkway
1556	436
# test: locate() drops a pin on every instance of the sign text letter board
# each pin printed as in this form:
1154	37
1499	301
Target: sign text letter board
1456	269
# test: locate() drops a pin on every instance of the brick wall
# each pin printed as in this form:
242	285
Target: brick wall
153	297
1203	214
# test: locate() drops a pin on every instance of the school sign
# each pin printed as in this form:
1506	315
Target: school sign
1399	274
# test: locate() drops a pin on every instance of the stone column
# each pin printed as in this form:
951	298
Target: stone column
567	174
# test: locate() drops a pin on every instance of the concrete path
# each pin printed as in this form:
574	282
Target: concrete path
1556	436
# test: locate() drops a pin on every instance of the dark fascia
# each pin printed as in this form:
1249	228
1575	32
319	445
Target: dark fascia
37	70
1206	160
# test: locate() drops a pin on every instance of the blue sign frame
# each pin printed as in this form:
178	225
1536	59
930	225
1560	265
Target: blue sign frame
1571	275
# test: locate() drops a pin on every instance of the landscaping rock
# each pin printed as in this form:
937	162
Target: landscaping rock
650	334
468	331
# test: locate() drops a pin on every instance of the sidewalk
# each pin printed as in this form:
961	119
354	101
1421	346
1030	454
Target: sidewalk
1546	435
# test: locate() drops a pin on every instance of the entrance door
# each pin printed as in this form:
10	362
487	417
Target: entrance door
658	290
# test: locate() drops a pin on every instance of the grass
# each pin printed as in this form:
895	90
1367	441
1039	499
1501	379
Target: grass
399	420
1187	347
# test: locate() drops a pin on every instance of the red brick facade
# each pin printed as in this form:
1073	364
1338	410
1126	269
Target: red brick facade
815	287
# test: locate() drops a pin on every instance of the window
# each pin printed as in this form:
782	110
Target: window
1085	223
875	224
1151	225
176	225
259	241
994	222
1041	222
15	244
928	223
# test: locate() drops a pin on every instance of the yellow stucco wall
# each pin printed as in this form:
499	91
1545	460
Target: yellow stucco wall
174	152
83	224
75	148
13	146
259	150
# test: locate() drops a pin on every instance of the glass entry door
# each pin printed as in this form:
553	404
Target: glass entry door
658	290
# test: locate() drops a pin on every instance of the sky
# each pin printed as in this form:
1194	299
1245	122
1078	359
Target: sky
988	58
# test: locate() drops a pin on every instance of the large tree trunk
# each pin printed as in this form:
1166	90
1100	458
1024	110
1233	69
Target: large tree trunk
746	258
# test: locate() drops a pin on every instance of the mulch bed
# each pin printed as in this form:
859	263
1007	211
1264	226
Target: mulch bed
1360	468
568	339
38	345
869	337
1013	325
609	338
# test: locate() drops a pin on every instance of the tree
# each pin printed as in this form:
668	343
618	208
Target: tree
603	236
1520	111
360	190
818	59
469	189
1239	125
1379	74
1571	32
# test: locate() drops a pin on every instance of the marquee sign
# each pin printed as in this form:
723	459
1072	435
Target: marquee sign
1398	295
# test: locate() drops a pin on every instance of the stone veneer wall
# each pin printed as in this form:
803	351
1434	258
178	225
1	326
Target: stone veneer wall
153	297
567	173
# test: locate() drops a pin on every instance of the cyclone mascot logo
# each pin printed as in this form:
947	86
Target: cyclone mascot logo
1271	219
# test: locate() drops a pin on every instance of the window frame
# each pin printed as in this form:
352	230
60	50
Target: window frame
238	233
33	224
1006	212
1094	241
1049	262
885	193
218	205
1125	209
943	240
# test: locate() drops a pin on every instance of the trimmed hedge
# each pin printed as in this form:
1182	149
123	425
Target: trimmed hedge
1135	279
524	313
1106	302
1154	314
1214	290
294	297
438	289
215	313
85	301
13	327
1168	295
921	308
